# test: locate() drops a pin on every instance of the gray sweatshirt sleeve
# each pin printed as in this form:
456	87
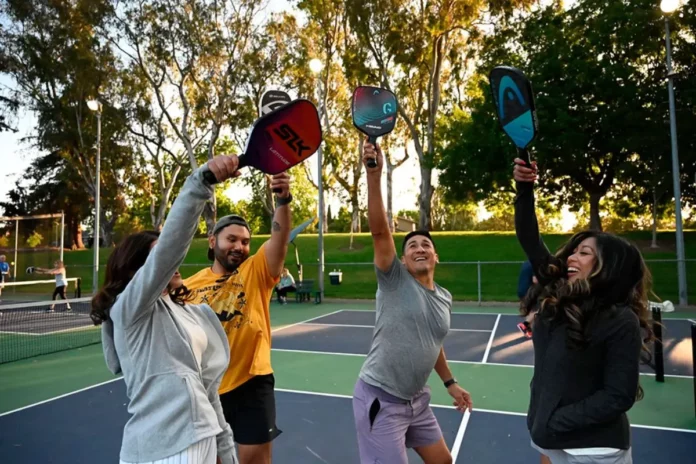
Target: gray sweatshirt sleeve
225	439
139	297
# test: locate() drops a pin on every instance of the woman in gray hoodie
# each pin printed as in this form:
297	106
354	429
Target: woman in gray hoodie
172	355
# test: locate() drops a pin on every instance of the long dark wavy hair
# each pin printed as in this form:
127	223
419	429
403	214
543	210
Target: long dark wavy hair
129	256
619	278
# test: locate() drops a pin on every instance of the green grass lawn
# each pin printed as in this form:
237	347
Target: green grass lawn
498	281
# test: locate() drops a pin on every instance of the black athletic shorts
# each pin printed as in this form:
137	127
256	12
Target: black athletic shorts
251	411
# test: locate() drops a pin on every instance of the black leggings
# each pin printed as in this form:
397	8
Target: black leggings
283	292
59	291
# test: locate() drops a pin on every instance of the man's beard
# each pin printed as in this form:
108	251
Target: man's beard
223	257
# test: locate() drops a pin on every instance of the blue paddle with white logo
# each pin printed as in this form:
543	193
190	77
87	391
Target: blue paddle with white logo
514	105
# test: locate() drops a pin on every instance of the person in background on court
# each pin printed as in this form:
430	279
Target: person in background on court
590	308
391	399
239	287
172	354
286	284
61	281
4	273
524	282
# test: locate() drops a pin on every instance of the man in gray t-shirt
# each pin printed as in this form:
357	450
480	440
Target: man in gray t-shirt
391	401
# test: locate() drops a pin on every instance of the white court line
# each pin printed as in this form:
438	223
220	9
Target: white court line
284	350
454	311
72	329
490	340
485	358
372	326
479	313
119	378
460	435
59	397
9	332
454	361
303	392
331	395
277	329
488	411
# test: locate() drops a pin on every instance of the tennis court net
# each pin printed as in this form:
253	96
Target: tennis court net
37	290
36	328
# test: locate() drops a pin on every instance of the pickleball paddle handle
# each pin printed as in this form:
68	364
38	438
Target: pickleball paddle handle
523	154
210	177
371	162
212	180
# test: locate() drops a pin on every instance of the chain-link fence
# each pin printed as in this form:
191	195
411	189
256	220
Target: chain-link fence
479	281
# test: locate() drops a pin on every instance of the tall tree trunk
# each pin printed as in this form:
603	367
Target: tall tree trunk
390	190
391	167
425	196
76	242
270	204
654	221
323	214
595	220
355	219
165	195
107	230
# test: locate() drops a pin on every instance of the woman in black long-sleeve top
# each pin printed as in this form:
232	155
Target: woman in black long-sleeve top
590	308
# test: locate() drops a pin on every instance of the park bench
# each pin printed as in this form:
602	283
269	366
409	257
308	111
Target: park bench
304	291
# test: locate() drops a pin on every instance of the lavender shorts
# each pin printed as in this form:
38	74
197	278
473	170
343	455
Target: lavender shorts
386	425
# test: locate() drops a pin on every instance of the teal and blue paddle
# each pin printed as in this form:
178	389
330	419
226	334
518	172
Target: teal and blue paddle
374	113
515	107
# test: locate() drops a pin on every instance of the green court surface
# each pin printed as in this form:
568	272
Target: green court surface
494	386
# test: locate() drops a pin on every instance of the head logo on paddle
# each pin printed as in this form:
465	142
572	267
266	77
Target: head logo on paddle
514	104
281	139
271	100
374	113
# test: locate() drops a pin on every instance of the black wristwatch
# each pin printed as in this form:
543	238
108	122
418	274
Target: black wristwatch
283	201
450	382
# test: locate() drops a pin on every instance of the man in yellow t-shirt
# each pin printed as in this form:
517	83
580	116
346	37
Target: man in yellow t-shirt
239	288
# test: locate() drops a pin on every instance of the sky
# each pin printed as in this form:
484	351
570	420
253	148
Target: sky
15	156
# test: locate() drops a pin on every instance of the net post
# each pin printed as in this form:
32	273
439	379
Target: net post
659	356
693	359
78	287
478	270
14	268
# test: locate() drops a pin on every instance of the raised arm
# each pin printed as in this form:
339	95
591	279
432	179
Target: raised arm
42	270
385	251
164	259
526	225
277	245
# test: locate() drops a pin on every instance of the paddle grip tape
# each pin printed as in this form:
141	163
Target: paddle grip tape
371	162
210	177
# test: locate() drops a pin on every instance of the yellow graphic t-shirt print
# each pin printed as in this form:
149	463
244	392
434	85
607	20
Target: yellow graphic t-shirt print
241	301
230	309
